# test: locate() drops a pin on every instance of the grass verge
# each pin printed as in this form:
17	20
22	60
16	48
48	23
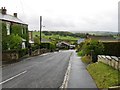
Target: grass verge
104	75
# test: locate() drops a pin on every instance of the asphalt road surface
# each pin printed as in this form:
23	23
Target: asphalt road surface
46	71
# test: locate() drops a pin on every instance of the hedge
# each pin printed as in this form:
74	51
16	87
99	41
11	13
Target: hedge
112	48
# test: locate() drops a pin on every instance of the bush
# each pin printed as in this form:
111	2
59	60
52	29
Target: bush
79	47
12	41
23	52
94	45
37	39
80	53
86	59
45	45
35	47
52	46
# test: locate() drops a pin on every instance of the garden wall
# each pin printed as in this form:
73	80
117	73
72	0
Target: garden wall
13	55
110	60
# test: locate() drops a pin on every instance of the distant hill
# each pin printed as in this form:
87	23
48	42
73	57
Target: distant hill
97	32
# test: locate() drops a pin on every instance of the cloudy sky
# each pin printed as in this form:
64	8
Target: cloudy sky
68	15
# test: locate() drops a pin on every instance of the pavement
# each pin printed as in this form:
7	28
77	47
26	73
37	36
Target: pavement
79	76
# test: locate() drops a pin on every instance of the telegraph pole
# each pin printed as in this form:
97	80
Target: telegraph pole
40	32
40	27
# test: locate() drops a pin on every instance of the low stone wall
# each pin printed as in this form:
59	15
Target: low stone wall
110	60
38	52
14	55
8	56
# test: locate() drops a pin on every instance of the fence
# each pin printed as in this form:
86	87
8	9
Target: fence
110	60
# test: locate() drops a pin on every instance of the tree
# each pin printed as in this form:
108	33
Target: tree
52	46
93	48
93	45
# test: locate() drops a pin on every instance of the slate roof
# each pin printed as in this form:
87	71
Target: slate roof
60	43
80	40
10	18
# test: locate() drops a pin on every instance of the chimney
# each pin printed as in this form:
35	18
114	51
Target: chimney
3	10
15	15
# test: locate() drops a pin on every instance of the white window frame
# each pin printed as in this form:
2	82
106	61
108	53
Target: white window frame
8	28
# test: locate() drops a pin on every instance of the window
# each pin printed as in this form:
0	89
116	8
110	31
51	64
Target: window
22	30
8	28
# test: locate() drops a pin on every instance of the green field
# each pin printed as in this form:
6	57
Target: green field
55	36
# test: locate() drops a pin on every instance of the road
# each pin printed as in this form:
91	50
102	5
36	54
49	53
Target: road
46	71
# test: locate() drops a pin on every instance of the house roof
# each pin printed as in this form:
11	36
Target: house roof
63	43
80	40
10	18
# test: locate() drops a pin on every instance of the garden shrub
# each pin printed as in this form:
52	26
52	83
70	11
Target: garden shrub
80	53
86	59
23	52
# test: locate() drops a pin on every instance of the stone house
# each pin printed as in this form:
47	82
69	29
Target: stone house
13	25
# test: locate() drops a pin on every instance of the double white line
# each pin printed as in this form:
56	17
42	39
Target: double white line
12	77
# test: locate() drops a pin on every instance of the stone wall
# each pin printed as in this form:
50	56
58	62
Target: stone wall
9	56
38	52
110	60
13	56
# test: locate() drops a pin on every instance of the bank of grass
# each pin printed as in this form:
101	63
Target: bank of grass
86	59
104	75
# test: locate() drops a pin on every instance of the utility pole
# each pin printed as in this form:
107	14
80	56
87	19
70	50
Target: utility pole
40	32
40	27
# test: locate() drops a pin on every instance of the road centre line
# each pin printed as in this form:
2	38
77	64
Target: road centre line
12	77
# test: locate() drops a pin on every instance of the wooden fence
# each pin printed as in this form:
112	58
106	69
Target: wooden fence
110	60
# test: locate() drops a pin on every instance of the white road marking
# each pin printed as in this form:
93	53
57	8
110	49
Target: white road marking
12	77
66	78
67	74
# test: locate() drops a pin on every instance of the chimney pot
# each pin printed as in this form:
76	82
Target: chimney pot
15	15
3	10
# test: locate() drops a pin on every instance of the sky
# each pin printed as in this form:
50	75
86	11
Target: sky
66	15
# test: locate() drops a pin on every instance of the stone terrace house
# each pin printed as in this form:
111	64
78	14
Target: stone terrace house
11	24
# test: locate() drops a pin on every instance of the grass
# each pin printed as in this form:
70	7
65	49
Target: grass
37	33
104	75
